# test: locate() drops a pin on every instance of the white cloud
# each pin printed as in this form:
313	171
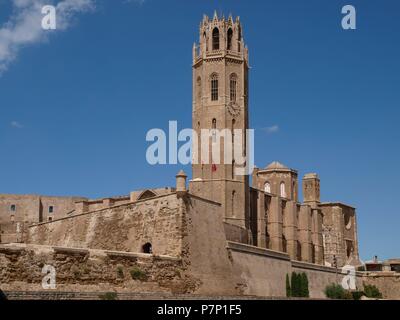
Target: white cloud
24	25
271	129
16	124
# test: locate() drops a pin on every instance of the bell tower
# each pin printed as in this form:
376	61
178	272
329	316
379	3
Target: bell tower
220	105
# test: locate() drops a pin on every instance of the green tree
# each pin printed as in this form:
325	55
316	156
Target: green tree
288	289
304	292
295	285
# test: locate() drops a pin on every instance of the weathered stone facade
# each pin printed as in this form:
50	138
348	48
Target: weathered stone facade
219	237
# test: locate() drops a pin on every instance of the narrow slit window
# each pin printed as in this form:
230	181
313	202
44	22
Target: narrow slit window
214	87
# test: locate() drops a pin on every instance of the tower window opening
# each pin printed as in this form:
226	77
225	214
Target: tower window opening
233	202
229	36
205	40
267	187
214	130
233	84
284	244
199	89
13	208
215	36
299	255
51	209
214	87
283	190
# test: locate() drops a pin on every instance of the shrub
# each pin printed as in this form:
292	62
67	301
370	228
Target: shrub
138	274
335	291
109	296
357	294
288	289
372	291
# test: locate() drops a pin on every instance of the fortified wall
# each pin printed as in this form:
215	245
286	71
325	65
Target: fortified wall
103	250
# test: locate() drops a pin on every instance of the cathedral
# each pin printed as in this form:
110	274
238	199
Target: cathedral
227	228
266	213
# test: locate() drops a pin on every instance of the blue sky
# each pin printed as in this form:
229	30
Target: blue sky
76	104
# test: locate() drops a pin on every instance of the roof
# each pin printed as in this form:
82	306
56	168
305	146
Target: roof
336	204
276	165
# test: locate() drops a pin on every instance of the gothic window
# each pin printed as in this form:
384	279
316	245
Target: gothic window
267	187
214	130
283	190
298	251
214	87
229	36
313	254
267	238
215	37
199	90
233	85
13	208
284	244
233	202
51	209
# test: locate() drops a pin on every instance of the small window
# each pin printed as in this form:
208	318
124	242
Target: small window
283	190
50	218
51	209
215	37
214	130
214	87
13	208
233	84
199	93
284	244
230	35
267	187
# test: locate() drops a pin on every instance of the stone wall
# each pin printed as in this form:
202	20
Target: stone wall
90	270
123	228
387	282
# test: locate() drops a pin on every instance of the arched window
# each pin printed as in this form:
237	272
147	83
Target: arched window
284	244
283	190
313	254
233	202
240	38
214	130
205	40
267	187
147	248
229	37
215	37
298	251
214	87
233	85
267	238
199	90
